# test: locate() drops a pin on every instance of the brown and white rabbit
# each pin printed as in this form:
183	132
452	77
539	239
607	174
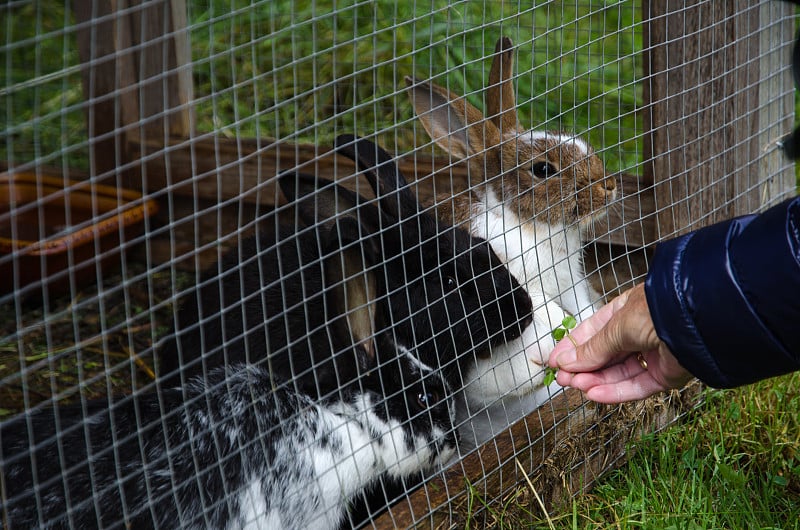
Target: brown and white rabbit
533	195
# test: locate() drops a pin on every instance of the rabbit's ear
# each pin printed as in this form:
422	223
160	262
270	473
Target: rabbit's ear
384	176
451	121
350	274
501	105
321	202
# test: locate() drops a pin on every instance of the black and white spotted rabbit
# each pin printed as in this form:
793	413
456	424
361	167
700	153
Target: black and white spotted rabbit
241	454
239	448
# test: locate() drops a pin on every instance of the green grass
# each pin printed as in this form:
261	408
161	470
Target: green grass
271	78
40	88
305	72
735	463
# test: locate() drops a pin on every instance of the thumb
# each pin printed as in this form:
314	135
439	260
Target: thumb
599	351
598	338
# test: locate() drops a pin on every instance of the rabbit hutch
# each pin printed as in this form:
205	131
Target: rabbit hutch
144	140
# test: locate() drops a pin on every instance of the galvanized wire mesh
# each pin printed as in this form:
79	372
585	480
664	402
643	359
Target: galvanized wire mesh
141	202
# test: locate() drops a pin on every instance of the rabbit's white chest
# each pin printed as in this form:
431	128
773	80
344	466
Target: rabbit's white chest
544	259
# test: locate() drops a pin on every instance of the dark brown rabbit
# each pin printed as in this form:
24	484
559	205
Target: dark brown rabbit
442	286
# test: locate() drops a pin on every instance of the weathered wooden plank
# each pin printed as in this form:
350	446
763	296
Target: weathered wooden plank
776	101
164	77
107	74
181	124
211	167
704	151
631	218
564	446
136	72
214	168
615	268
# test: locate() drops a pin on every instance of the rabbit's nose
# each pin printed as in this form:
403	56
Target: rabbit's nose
610	183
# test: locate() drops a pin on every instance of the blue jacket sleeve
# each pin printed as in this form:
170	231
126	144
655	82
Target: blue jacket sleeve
726	298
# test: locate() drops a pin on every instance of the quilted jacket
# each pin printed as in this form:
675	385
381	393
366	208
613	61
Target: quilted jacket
726	298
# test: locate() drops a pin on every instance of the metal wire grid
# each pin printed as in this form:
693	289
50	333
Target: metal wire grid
99	340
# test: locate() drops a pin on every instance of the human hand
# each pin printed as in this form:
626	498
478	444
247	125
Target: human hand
606	366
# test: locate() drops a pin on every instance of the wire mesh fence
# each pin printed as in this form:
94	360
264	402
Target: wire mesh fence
300	263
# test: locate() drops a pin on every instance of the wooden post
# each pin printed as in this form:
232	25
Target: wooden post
163	66
136	66
108	75
776	101
707	136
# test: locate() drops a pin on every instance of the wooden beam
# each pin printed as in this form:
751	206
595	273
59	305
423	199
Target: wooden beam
564	446
163	64
108	75
776	98
214	168
136	73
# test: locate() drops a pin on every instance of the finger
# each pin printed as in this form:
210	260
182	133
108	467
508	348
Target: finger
562	354
664	371
640	387
589	327
624	331
582	333
611	375
564	378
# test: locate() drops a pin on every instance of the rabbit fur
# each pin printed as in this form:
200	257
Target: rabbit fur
441	286
533	195
464	298
238	449
253	307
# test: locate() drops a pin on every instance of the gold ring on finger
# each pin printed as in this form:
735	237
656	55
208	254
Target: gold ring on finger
642	361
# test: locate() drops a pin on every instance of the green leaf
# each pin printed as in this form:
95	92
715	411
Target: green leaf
549	375
559	333
730	475
779	480
569	322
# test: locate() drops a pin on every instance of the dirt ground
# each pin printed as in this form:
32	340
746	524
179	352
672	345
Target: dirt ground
97	342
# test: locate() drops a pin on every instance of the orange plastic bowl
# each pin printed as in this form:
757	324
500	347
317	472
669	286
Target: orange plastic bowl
52	228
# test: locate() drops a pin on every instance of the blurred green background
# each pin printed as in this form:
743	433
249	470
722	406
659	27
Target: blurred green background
307	71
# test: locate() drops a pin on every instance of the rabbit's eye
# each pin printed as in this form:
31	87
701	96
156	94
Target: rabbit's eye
427	399
543	170
450	283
